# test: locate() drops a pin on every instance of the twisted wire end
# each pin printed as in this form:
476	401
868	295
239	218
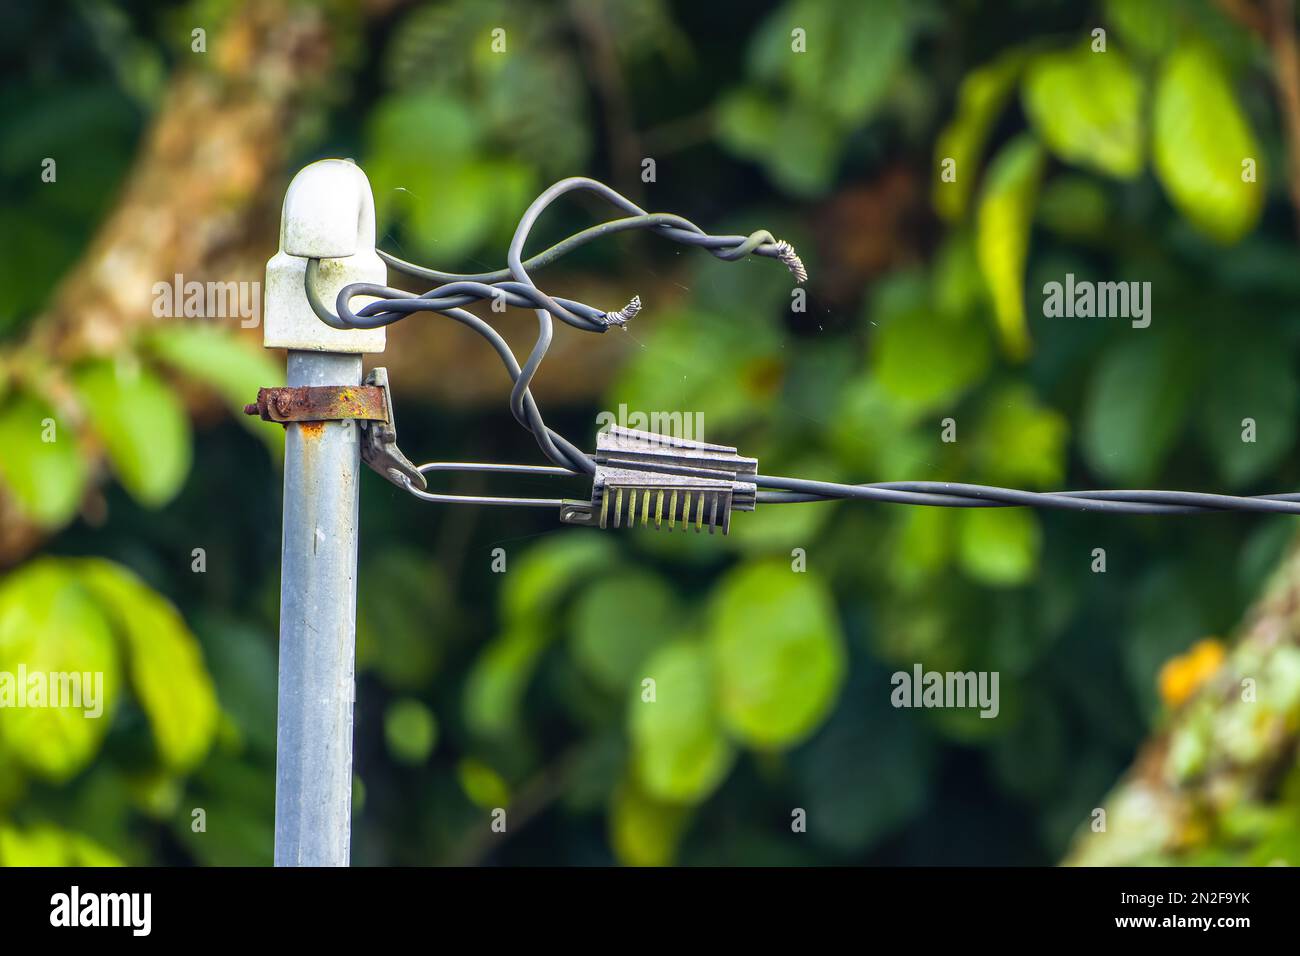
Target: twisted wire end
786	254
622	316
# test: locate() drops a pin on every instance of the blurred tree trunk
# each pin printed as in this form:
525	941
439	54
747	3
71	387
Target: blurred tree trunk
203	201
1219	783
204	188
200	200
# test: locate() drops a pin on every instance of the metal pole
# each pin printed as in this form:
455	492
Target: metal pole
318	597
328	216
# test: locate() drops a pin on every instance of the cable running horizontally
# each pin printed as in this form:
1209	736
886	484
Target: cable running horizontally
514	286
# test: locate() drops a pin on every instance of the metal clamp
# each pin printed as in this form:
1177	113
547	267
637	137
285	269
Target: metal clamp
370	403
650	477
379	441
319	403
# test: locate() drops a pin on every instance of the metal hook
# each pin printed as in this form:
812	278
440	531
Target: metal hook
481	466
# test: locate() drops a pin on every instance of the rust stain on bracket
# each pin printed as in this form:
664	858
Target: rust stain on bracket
320	403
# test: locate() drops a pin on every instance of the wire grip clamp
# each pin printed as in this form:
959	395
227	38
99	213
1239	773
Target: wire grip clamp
647	477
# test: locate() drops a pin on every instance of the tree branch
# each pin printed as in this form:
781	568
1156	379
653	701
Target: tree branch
1208	788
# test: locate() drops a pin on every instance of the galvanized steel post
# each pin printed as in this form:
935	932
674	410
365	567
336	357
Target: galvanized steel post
328	215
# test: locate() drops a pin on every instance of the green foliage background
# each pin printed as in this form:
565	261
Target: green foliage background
523	690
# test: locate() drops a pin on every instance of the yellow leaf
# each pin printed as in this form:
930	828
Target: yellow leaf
166	666
1088	108
1004	218
54	639
1184	675
983	93
1202	138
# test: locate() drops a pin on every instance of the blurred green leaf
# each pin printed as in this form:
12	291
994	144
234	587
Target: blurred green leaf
239	797
867	773
435	33
410	731
532	100
536	103
1088	108
722	362
1019	441
870	421
983	93
1076	207
777	651
1201	138
1003	222
617	622
1260	384
405	593
596	767
924	544
924	362
642	830
956	286
748	124
680	754
1148	26
918	628
483	786
999	546
57	115
45	845
426	162
437	129
495	686
542	575
50	627
234	367
747	121
142	425
780	529
473	200
1135	406
531	592
13	780
241	659
46	478
853	52
807	166
164	660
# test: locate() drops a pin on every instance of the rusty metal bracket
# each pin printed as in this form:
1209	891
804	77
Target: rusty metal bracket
379	441
371	404
320	403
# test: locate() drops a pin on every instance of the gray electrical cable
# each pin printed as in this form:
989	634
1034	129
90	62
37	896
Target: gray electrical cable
515	287
682	230
398	304
962	495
